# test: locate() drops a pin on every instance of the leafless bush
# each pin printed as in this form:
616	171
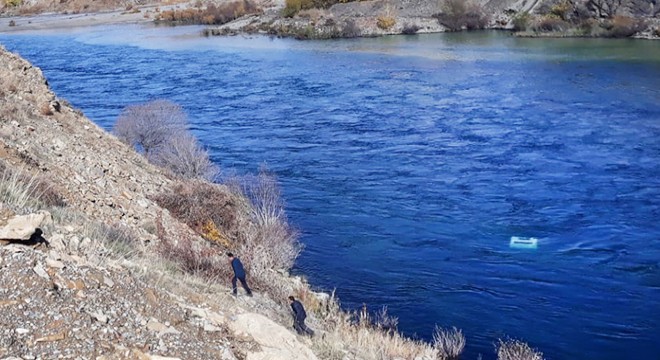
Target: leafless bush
457	15
184	156
266	240
448	343
386	322
160	130
516	350
149	126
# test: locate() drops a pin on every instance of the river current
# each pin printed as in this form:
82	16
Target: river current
408	163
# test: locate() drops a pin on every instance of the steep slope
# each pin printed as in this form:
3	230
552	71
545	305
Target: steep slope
78	298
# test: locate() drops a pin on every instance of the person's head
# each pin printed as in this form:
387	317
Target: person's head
292	299
230	255
38	232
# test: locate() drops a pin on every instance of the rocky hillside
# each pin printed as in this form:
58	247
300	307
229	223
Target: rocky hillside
100	291
123	278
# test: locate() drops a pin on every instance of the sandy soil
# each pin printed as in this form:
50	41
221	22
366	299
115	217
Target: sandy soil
43	22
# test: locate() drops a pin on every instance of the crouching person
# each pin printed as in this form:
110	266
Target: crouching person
299	316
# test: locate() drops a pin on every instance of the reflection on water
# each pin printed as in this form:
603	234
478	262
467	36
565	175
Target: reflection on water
409	162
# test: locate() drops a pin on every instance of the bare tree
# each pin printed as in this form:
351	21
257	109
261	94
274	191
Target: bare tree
185	157
150	125
267	240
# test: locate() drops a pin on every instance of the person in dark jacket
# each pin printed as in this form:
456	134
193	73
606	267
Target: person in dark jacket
239	273
299	316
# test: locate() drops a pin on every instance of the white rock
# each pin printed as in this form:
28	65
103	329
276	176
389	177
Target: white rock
99	316
40	271
74	243
277	343
211	328
22	331
22	226
54	263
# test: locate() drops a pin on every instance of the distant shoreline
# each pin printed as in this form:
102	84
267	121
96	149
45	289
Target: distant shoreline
144	15
51	21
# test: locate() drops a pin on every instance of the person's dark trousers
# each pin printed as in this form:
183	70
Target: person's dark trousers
301	328
243	282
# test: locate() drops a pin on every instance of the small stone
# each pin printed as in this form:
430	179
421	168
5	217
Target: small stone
39	270
22	331
99	316
211	328
54	263
55	337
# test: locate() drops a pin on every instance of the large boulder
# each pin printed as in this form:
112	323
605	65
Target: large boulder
276	342
20	227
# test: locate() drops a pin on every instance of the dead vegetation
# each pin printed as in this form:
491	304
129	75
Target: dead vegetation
211	14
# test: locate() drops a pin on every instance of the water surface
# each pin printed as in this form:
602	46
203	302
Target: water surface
409	162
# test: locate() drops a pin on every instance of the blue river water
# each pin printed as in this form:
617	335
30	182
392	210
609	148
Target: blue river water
409	162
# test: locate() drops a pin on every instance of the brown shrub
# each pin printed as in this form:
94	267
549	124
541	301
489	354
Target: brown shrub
46	110
211	15
196	203
624	26
292	7
190	256
385	22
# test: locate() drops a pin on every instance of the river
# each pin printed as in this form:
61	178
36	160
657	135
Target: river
408	163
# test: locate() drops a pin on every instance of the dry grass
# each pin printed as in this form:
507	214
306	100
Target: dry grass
24	193
516	350
365	337
448	342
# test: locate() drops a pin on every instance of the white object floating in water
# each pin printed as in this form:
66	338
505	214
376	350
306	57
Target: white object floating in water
523	242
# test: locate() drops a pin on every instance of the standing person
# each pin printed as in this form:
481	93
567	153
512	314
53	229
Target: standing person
299	316
239	273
